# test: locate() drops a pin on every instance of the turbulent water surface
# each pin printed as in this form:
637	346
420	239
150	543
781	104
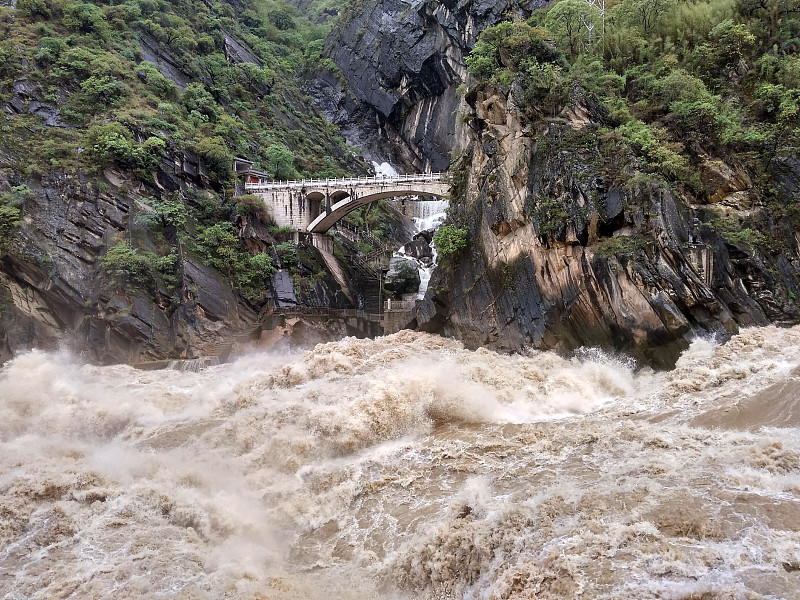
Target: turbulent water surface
405	468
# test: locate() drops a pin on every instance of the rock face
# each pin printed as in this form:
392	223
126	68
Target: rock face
53	292
420	246
560	257
402	61
403	277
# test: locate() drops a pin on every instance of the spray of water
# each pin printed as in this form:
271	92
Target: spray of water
404	467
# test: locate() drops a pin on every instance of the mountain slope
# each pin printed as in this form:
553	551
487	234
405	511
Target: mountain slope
120	224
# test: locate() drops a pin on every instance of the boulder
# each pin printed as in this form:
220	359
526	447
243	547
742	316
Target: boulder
402	278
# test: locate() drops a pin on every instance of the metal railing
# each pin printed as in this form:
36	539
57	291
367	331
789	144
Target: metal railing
322	311
399	305
350	181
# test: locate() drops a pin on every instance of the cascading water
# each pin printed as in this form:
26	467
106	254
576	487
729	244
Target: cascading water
405	467
427	216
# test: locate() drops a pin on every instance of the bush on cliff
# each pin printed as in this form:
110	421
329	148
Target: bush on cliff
450	240
679	79
221	249
126	265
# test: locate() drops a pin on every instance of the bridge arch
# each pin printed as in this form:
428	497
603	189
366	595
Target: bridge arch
339	209
298	204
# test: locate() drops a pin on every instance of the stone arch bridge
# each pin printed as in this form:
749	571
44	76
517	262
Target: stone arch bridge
317	204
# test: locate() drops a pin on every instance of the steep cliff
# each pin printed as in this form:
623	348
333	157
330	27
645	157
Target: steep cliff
121	232
58	289
560	256
401	63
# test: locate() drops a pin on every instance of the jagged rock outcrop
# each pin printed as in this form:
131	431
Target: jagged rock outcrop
53	292
402	277
401	61
560	256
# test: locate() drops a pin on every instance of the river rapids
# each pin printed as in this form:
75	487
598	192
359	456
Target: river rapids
404	468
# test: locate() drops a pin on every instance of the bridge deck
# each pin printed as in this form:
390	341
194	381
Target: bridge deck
346	182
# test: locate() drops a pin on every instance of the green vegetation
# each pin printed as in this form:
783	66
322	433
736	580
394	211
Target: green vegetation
9	223
221	249
140	85
287	251
163	214
253	206
680	80
100	68
673	85
11	213
624	244
551	216
731	230
124	265
450	240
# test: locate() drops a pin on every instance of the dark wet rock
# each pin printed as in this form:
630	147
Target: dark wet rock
283	284
402	277
402	61
419	248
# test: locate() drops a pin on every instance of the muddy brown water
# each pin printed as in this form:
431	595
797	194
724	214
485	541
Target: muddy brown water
405	468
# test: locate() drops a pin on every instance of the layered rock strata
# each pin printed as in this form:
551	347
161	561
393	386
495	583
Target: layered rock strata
401	63
560	256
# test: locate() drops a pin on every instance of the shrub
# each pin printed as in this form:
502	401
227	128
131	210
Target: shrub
730	229
85	18
624	244
254	206
9	223
288	253
157	83
222	250
124	264
281	160
253	277
219	247
164	214
450	240
216	156
113	142
167	268
102	92
197	98
33	9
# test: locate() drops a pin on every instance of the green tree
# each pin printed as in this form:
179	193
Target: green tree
281	161
197	98
34	9
282	19
85	18
219	247
572	24
102	92
164	214
216	156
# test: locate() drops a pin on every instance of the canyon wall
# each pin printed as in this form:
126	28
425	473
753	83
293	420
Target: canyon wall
560	256
401	63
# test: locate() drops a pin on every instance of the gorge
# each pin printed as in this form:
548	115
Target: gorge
207	389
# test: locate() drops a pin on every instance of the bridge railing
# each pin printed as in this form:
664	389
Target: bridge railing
350	181
390	305
322	311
